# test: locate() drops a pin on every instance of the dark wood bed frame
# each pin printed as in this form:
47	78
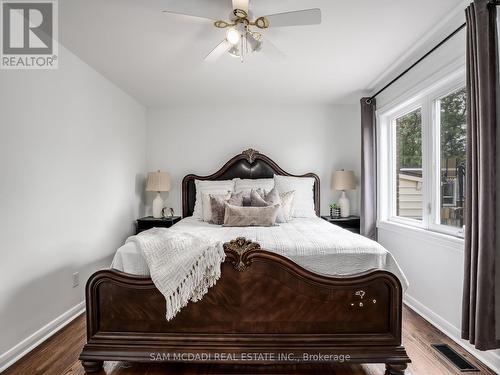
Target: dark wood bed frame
264	310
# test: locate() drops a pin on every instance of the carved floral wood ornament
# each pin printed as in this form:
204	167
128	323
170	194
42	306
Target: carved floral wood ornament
250	154
239	250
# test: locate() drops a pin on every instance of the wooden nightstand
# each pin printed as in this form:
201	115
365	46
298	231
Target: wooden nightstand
149	222
350	223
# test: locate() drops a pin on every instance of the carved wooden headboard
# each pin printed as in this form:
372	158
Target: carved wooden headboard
248	164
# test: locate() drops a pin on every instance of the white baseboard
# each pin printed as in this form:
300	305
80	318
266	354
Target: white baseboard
14	354
489	358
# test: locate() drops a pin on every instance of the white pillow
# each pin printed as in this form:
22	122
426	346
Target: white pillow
210	187
206	206
247	184
304	193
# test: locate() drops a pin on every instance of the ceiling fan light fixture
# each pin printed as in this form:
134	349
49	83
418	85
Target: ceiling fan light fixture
241	39
234	51
233	36
255	41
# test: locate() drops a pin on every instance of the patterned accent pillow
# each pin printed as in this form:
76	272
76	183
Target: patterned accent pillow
287	200
250	216
218	205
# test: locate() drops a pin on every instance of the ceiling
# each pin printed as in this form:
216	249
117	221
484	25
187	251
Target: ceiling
158	58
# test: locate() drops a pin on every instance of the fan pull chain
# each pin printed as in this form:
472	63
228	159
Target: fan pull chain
242	50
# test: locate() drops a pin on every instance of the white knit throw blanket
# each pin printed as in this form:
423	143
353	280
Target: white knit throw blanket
182	266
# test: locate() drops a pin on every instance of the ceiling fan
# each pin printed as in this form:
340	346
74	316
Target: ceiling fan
243	31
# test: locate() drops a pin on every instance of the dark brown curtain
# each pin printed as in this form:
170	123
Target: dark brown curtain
368	169
478	312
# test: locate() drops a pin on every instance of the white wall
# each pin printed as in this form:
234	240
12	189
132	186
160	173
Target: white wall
433	264
300	139
72	158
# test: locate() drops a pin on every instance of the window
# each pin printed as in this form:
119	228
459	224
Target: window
408	176
422	158
452	122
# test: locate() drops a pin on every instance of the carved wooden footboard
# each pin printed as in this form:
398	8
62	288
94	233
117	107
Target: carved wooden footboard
264	309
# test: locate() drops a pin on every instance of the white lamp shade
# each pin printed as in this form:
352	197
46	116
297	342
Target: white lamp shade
343	180
158	181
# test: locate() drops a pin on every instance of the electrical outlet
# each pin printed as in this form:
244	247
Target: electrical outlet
76	279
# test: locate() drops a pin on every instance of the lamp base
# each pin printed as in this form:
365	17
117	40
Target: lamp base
345	209
157	206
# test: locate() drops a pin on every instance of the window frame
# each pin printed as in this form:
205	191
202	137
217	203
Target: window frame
428	100
434	222
392	173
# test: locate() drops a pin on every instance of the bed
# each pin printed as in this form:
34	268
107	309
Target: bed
303	292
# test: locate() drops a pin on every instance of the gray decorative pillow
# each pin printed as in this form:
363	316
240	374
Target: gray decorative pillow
206	207
218	205
285	201
257	199
250	216
236	199
247	200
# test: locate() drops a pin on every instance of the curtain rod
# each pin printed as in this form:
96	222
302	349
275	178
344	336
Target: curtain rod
369	100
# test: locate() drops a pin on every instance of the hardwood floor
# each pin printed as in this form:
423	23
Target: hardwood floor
59	355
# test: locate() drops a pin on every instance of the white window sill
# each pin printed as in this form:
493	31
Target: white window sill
423	234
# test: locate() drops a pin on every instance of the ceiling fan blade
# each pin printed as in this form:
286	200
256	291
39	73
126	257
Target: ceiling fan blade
295	18
241	4
218	51
270	50
212	10
188	15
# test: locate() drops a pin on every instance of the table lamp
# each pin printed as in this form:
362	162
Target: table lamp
344	180
159	182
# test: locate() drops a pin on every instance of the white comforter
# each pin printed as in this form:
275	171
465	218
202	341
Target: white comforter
312	243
